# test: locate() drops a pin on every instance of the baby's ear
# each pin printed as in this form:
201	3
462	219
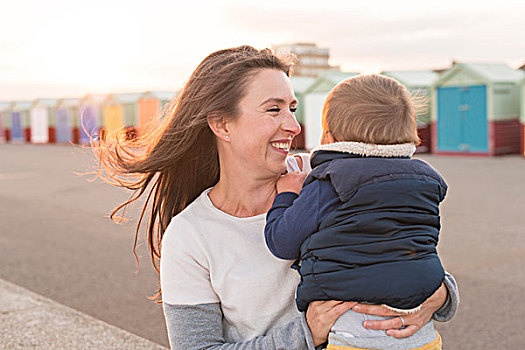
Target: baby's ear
327	138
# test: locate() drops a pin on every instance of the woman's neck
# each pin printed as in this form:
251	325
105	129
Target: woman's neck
243	197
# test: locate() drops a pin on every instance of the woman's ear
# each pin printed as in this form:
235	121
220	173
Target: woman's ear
219	126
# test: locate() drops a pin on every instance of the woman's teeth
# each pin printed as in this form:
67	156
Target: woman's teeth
281	145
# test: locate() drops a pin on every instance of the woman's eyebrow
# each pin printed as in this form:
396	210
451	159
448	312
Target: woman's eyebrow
277	100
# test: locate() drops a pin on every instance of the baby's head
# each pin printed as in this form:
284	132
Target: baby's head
371	109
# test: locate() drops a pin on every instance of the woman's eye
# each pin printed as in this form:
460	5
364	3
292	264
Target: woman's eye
274	110
293	109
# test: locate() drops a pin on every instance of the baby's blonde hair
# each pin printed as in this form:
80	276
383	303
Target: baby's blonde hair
372	109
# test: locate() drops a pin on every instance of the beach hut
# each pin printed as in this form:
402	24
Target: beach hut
150	107
130	109
112	118
42	121
89	118
476	110
20	127
314	100
66	114
300	86
522	118
3	121
419	84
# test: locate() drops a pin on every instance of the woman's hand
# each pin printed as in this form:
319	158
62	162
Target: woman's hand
413	322
321	316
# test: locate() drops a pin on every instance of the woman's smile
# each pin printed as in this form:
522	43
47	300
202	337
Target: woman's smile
282	146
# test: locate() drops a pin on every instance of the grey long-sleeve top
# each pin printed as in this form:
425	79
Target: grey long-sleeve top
200	327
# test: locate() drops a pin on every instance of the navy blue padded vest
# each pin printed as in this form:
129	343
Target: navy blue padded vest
379	245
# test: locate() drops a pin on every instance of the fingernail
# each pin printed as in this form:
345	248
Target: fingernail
389	333
357	308
367	324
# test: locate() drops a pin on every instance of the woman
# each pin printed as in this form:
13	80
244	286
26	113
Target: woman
212	170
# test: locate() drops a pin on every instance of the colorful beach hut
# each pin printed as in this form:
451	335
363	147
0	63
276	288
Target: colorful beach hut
89	117
66	118
522	118
20	128
42	121
419	84
112	118
150	107
314	100
300	86
3	124
477	110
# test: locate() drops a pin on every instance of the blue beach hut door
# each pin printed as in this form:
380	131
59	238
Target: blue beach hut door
17	134
62	126
462	119
88	125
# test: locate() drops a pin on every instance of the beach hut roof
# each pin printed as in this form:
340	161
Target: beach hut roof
337	77
46	102
127	97
91	99
328	80
161	95
166	95
68	102
491	72
4	106
21	105
301	84
416	78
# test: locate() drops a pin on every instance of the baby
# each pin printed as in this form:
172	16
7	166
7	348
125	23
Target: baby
365	225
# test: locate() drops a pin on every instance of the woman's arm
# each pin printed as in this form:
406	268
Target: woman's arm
200	327
441	306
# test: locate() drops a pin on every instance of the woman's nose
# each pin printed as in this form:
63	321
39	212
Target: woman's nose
290	124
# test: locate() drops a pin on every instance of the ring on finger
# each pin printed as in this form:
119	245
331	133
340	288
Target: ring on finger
402	322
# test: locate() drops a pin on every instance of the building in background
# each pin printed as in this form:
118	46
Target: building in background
313	105
419	83
476	110
151	105
90	117
19	126
42	121
522	116
301	86
67	120
312	61
4	121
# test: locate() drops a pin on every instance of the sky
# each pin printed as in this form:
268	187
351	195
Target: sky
67	48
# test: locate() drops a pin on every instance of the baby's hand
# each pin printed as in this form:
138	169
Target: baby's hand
291	182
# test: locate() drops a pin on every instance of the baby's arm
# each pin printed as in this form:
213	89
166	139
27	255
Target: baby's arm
292	217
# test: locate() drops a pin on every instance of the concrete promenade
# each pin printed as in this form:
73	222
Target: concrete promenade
56	241
30	321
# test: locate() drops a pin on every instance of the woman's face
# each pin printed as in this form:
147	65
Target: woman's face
262	135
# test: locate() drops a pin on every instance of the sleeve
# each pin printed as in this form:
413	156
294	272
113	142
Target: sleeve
200	327
290	220
450	307
292	164
184	266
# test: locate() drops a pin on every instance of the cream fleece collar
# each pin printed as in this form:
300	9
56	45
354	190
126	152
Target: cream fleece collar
370	150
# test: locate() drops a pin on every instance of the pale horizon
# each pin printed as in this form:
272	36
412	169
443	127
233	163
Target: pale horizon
59	49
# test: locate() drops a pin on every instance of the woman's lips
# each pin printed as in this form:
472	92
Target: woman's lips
282	146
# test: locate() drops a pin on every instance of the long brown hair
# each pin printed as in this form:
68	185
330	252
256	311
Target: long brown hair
178	159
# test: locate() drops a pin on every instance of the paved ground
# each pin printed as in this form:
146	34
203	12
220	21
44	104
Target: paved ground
55	240
30	321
